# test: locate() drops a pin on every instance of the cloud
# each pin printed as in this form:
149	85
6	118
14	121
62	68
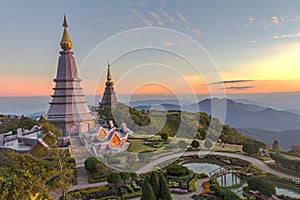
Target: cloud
102	20
168	44
141	17
156	17
250	19
239	87
232	81
283	36
171	19
180	16
196	31
275	20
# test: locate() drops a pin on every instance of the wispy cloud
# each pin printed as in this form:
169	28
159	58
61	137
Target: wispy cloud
171	19
156	17
232	81
250	19
102	20
180	16
168	44
141	17
283	36
239	87
275	20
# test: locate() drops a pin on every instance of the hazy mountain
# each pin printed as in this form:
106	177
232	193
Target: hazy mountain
152	102
163	106
286	138
240	115
294	108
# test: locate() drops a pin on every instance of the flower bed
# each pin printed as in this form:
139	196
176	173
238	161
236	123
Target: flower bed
206	186
285	180
192	186
178	191
173	184
132	195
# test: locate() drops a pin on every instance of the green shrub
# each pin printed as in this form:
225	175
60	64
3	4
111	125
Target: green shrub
262	185
90	164
131	195
125	176
177	170
224	193
113	178
111	198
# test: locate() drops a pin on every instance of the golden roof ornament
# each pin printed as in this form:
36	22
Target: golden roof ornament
65	42
109	77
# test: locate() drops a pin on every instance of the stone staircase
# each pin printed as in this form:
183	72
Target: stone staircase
79	151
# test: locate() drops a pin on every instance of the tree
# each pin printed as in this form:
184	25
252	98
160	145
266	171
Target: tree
148	193
275	145
182	144
224	193
154	182
295	149
63	169
195	144
177	170
114	178
164	136
208	144
125	176
133	175
164	188
22	177
198	136
262	185
90	164
250	148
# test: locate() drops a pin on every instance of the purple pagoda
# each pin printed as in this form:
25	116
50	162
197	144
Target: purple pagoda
68	110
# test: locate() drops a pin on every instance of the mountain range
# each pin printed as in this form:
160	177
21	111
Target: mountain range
238	115
256	121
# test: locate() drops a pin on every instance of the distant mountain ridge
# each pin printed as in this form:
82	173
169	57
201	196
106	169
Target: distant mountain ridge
286	138
238	115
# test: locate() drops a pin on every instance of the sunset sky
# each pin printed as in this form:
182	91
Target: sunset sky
179	47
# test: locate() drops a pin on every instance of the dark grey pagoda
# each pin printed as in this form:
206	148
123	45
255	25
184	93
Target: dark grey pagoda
68	110
109	95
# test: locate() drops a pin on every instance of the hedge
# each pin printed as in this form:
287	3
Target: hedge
132	195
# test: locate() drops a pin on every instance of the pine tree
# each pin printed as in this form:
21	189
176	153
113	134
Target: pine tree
164	188
148	193
275	145
154	182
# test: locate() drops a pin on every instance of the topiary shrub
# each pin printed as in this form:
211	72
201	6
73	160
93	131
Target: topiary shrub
177	170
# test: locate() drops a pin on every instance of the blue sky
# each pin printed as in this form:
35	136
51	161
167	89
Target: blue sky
248	40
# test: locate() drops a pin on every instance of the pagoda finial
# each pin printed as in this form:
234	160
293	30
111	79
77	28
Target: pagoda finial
109	77
65	24
65	42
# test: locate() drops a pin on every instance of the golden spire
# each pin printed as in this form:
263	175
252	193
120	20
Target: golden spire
109	77
65	42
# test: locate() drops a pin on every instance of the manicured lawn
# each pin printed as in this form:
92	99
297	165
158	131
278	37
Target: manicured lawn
137	145
228	148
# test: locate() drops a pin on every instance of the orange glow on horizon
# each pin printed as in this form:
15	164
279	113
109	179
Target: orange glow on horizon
43	87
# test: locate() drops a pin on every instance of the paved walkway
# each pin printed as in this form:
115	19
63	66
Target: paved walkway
258	163
199	187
